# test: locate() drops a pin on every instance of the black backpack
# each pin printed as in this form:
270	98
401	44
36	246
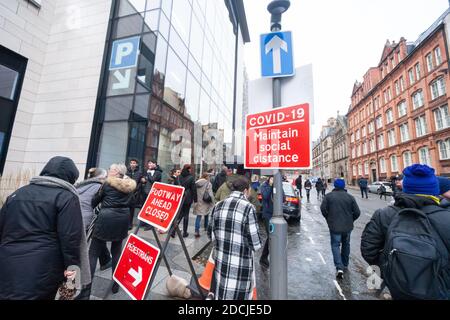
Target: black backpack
415	257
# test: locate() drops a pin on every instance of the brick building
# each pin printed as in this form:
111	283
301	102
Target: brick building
399	114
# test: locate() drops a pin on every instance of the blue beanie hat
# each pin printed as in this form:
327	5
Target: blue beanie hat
420	179
444	185
339	183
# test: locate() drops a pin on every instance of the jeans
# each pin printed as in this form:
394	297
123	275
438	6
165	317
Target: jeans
341	254
197	223
96	250
363	190
307	193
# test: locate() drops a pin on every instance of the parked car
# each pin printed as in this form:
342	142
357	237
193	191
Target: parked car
292	205
375	187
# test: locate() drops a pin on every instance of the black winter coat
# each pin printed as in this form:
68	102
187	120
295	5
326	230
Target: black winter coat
220	179
157	177
190	189
40	236
375	232
112	221
340	210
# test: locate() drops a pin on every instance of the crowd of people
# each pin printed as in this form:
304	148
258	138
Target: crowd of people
55	228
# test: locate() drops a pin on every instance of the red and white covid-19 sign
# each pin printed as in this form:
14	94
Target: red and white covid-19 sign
278	139
162	205
136	265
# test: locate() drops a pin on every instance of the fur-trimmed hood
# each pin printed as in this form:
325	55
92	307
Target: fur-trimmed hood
125	185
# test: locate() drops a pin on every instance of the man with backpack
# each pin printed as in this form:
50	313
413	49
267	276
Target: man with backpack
410	240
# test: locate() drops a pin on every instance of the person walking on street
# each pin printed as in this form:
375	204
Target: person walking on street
267	212
308	187
137	200
236	238
220	179
410	241
325	187
340	211
175	177
205	202
299	185
319	188
112	222
187	181
42	235
152	175
363	184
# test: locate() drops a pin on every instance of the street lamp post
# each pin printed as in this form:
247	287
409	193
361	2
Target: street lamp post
278	226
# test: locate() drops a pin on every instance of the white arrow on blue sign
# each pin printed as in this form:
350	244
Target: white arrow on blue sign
276	54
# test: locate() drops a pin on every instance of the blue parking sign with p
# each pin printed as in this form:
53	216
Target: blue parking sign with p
124	53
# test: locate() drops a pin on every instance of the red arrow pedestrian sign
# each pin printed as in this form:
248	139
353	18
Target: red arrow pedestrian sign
162	205
278	139
136	265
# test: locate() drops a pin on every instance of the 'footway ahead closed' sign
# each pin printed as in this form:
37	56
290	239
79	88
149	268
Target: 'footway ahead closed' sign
161	205
278	139
136	265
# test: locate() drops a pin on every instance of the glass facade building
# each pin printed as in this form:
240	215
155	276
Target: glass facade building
177	104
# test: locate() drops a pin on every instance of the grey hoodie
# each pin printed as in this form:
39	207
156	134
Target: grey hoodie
87	190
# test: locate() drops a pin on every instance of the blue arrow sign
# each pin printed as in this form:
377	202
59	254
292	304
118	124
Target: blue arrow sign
276	54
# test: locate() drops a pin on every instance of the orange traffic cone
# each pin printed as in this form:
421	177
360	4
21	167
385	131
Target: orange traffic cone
206	277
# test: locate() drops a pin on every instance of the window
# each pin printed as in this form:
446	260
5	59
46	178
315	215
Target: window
438	56
354	152
402	84
358	151
421	126
376	102
352	138
389	116
397	88
382	73
381	141
357	135
370	127
429	59
382	165
365	148
411	76
8	82
379	121
366	167
389	94
363	131
444	149
437	88
442	118
385	96
391	137
354	170
417	69
417	99
402	109
360	169
407	159
404	133
393	63
394	165
424	155
372	145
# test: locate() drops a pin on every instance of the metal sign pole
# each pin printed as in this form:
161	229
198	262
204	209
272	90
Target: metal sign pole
278	226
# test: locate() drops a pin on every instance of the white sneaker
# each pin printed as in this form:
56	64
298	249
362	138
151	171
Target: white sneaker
340	274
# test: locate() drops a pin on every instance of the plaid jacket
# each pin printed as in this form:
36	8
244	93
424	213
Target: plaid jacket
236	237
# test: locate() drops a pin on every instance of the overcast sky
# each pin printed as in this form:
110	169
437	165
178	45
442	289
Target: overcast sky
342	39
